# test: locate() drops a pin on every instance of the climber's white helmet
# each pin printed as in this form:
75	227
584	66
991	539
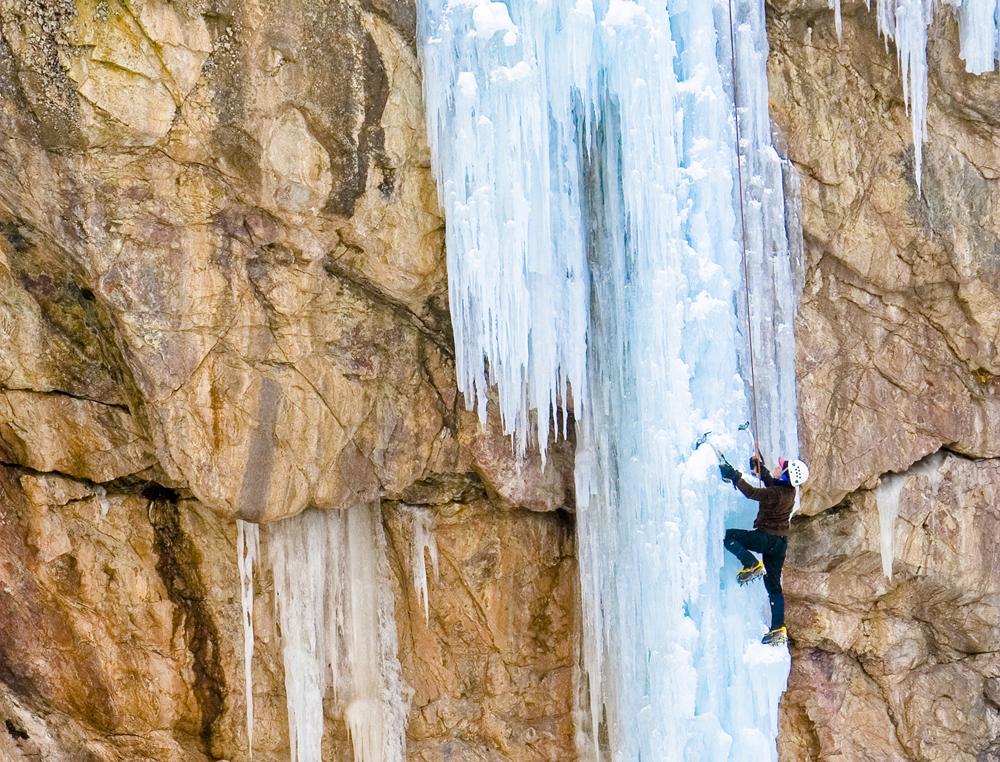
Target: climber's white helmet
798	472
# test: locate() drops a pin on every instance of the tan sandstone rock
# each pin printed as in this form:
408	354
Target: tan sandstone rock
243	197
223	293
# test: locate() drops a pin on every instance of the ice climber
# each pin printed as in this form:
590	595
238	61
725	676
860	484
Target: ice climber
769	536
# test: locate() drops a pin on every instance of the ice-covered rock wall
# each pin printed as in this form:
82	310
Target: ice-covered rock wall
586	160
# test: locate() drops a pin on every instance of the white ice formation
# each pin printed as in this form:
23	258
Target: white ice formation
594	240
906	22
102	500
887	496
424	545
338	633
247	556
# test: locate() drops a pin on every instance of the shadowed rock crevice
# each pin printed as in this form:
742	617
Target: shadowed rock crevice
89	361
177	564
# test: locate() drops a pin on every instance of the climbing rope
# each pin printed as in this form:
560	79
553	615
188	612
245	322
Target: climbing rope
743	228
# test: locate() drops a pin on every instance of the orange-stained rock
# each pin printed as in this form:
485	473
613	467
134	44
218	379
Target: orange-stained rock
492	667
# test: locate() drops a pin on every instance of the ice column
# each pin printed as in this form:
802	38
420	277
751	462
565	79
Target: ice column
338	634
774	244
600	138
888	494
247	555
979	30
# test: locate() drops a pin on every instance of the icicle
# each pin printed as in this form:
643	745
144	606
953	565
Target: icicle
837	21
247	554
338	631
102	500
887	497
912	20
907	23
300	566
424	544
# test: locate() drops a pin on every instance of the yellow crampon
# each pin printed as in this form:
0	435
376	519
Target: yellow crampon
776	637
749	574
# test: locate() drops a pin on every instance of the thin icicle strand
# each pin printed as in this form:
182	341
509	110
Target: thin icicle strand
837	20
247	555
424	544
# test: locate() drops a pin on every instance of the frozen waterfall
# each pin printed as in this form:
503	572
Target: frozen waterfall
586	159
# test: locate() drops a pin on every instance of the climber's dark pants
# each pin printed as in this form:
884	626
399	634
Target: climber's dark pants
740	542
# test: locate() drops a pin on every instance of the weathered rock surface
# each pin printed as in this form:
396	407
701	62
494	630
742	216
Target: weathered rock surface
120	632
97	658
222	293
899	358
902	668
492	671
899	324
230	203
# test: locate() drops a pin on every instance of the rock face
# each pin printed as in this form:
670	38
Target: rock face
899	365
222	294
230	205
899	321
902	668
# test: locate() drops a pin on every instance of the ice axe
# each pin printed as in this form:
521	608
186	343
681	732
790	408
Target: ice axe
703	439
745	426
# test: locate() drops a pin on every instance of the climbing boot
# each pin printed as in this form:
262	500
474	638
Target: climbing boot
776	637
748	575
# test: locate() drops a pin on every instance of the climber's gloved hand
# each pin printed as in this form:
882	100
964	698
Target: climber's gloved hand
755	464
729	474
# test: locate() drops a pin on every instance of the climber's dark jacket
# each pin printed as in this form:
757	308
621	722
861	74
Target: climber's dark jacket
776	498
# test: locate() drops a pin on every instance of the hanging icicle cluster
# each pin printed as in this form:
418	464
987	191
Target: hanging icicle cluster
906	22
338	632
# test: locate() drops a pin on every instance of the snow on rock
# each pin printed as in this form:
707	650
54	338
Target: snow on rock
490	19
